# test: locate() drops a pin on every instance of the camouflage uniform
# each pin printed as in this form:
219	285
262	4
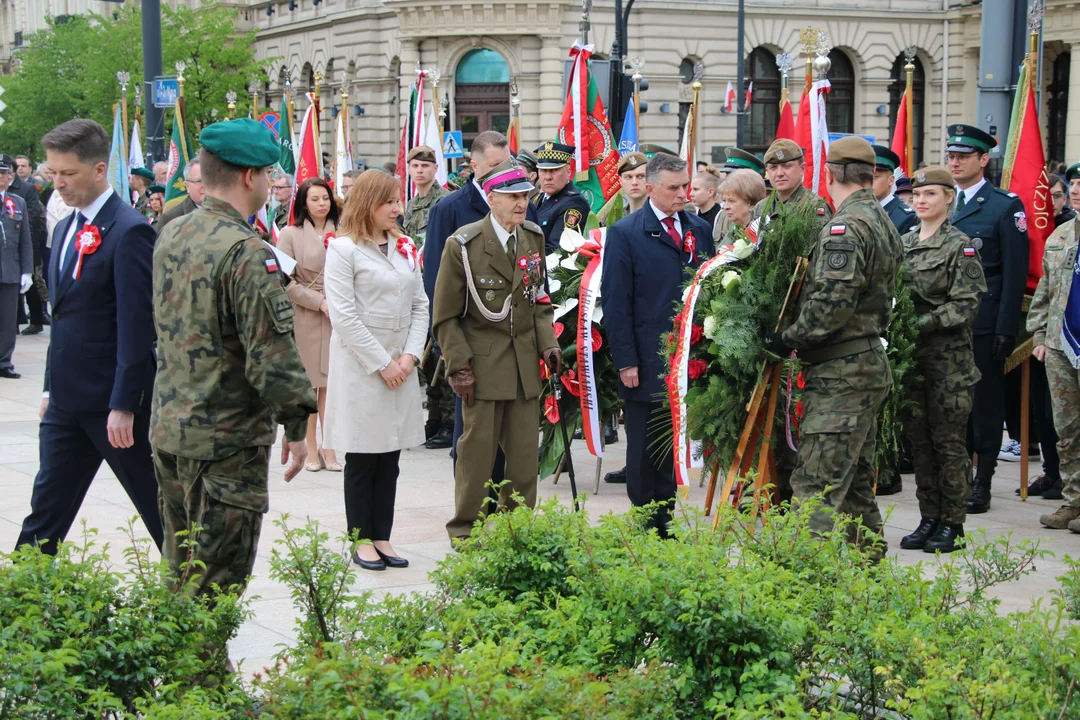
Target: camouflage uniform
228	373
945	277
843	310
1045	321
281	216
799	197
416	215
142	205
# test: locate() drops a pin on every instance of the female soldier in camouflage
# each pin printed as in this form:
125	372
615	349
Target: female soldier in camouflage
943	272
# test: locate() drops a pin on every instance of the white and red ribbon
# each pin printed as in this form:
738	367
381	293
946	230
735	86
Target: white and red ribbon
578	95
588	294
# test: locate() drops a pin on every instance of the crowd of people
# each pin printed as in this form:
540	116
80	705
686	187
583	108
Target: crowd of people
179	342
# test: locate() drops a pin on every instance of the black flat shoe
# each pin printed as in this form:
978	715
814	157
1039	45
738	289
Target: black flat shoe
616	477
441	440
392	560
10	374
32	330
917	540
369	564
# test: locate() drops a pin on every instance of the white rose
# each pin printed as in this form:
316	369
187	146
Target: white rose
742	249
729	277
710	327
685	294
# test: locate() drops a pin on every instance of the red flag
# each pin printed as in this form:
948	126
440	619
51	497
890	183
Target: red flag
513	137
749	96
899	137
785	129
804	137
1028	179
729	98
400	170
310	159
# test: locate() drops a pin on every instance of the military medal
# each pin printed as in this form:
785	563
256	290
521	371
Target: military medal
490	296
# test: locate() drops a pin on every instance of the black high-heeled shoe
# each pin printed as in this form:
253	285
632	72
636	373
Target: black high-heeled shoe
392	560
368	564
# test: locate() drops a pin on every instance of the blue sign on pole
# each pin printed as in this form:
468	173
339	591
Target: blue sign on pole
833	137
166	90
452	144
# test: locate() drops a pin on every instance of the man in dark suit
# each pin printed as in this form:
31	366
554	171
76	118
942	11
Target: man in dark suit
997	225
36	213
456	210
99	372
648	257
559	205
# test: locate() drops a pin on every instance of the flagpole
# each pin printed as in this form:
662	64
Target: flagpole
691	148
316	118
289	102
345	119
184	151
909	96
783	62
124	77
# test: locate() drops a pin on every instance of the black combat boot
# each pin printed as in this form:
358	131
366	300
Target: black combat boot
945	539
891	485
980	487
611	435
917	540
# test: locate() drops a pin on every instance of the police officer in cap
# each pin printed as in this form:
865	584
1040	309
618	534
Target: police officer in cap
902	216
561	205
996	223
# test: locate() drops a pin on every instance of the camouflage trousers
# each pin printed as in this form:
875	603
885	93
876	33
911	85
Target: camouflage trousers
838	436
440	397
1064	382
939	444
225	500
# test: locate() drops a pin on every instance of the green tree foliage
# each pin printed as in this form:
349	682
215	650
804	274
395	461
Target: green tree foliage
69	70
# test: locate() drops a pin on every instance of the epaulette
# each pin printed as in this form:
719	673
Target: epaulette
530	225
467	233
907	209
1005	192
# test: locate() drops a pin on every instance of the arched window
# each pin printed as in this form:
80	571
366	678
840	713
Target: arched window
481	94
761	70
1058	105
918	91
840	105
482	66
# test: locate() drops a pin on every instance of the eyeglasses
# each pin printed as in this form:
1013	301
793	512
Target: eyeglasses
282	187
193	182
1058	195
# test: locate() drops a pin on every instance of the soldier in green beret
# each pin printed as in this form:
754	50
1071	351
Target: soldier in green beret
155	202
140	181
228	369
944	274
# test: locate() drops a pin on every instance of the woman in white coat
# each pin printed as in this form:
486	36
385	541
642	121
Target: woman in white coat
379	313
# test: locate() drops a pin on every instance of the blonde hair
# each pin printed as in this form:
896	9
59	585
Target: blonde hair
372	189
711	176
747	184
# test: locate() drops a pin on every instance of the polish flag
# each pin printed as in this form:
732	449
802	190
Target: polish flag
749	96
729	102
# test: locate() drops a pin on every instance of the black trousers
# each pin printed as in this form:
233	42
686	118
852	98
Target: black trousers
370	490
650	473
71	447
985	426
33	295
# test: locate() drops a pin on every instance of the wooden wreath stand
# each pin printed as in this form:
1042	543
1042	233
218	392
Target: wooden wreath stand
756	437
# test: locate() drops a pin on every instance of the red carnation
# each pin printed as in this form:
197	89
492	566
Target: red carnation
696	333
597	341
559	327
571	383
697	368
551	409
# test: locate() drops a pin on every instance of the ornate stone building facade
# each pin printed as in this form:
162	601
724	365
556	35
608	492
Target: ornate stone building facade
373	47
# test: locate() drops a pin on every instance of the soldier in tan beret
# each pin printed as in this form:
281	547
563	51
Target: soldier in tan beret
422	164
631	195
784	166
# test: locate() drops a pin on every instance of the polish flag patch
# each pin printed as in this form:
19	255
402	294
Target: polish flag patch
969	252
838	229
271	265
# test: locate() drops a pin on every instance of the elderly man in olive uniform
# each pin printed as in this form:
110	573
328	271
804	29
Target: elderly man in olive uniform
422	170
494	322
784	166
560	204
842	312
228	368
997	225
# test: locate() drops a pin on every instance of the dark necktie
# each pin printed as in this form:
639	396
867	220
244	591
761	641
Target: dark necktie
73	246
669	225
511	250
961	201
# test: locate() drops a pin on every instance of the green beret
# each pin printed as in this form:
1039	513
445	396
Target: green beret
243	142
1073	172
155	189
144	173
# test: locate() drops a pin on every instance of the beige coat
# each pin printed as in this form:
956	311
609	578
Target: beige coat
379	312
310	325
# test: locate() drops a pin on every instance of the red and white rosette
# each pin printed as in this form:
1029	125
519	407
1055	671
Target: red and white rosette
588	294
327	238
88	239
407	248
9	204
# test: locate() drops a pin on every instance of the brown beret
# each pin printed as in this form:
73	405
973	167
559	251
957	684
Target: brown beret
630	161
425	153
851	149
782	151
933	175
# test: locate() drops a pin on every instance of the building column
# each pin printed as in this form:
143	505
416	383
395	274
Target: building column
551	75
1072	125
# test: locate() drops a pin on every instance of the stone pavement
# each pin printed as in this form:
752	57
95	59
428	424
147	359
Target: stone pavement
425	502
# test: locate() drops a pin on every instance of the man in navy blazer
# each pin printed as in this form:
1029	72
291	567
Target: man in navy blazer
99	372
648	257
456	210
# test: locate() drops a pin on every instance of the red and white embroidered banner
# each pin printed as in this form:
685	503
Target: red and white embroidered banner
577	95
587	297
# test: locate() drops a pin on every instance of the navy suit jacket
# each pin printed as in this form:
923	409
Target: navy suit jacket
641	288
455	211
101	353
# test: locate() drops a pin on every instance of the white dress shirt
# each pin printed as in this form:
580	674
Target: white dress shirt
90	212
969	194
661	215
503	234
481	191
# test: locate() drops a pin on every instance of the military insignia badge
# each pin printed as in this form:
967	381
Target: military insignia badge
523	262
821	211
959	129
271	264
779	154
1020	219
969	252
838	260
838	229
489	295
921	177
972	269
572	219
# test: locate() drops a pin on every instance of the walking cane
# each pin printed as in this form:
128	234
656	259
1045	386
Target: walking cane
557	391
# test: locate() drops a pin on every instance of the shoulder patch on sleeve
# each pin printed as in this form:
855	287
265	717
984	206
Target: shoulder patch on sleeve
821	211
572	219
271	263
1020	220
972	268
838	229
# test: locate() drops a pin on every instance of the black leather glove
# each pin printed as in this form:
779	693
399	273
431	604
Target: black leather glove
778	346
463	383
553	359
1002	346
